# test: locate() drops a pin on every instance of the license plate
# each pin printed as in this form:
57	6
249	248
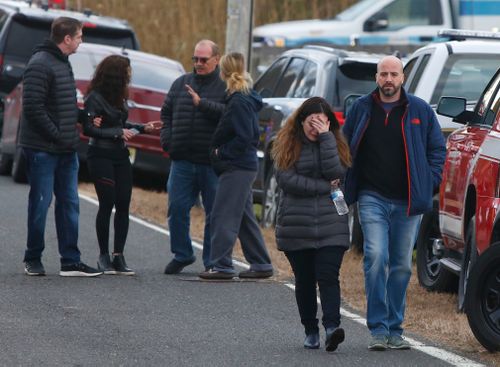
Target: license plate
132	154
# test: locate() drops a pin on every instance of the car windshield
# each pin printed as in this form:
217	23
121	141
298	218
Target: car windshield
24	37
354	11
148	75
465	76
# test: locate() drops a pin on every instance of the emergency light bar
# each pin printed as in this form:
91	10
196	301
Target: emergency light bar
463	34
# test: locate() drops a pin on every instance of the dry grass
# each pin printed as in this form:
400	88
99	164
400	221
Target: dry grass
172	27
431	315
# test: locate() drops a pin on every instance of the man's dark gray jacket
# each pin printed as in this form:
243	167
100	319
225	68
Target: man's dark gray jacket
187	129
50	112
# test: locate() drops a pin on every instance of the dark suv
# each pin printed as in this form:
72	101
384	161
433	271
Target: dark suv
295	76
22	27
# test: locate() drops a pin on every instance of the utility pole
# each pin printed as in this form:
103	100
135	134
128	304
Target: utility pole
239	28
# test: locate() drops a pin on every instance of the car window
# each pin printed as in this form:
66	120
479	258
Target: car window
111	37
267	82
408	69
152	76
3	19
418	73
23	38
288	81
354	78
404	13
307	83
484	108
465	76
155	76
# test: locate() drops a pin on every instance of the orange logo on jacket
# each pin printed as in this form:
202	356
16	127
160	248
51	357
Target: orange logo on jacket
415	121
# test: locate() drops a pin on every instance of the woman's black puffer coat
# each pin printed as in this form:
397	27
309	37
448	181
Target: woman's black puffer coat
307	218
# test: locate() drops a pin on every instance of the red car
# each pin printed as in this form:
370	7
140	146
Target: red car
468	241
152	77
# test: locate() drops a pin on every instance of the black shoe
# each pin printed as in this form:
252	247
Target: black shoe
175	267
104	264
120	265
334	336
215	274
311	341
34	268
252	274
78	270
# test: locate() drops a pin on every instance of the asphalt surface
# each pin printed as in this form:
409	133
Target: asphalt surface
151	319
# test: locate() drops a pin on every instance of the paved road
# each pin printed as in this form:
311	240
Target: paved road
151	319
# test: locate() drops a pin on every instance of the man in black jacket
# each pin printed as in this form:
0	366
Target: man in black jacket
49	138
190	114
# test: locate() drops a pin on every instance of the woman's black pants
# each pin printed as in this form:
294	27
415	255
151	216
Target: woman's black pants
113	185
317	266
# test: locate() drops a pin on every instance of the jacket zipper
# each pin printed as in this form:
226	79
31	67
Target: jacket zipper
407	160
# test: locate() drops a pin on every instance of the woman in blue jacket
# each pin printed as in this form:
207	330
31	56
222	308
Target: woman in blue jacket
234	157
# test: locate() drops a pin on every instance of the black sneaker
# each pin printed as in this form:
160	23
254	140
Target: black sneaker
120	266
34	268
104	264
175	267
78	270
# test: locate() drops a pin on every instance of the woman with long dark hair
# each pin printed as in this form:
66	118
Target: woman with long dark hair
108	156
310	156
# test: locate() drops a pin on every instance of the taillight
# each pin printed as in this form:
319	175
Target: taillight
89	25
340	117
1	62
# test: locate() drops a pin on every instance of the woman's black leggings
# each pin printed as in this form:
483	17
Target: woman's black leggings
322	267
113	185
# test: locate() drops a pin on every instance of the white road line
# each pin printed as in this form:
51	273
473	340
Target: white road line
448	357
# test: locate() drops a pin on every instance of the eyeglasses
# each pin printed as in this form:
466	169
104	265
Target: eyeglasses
201	60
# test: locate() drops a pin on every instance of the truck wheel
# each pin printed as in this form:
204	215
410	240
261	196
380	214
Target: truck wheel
356	231
270	201
469	259
431	274
19	167
5	163
482	300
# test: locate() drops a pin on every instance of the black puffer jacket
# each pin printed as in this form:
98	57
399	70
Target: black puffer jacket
187	129
114	120
50	112
307	218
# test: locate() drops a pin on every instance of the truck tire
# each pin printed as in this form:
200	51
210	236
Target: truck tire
270	201
482	301
5	163
469	259
19	167
431	274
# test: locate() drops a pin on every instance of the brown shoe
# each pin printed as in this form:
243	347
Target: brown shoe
214	274
252	274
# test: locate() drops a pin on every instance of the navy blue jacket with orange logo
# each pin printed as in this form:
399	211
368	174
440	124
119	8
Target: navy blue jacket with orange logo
424	148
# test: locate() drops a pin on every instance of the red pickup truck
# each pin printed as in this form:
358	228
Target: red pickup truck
465	239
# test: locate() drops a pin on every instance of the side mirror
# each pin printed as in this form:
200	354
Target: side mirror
377	22
349	101
451	106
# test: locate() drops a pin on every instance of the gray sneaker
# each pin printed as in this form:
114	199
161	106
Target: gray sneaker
398	342
378	343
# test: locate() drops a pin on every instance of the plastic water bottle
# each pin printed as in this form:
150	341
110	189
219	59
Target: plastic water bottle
337	197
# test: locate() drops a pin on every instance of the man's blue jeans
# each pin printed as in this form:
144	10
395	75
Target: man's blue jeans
53	173
389	238
185	182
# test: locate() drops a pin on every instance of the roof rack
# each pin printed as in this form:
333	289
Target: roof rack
463	34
